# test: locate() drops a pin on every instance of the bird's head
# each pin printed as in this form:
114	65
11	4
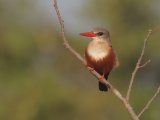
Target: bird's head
97	34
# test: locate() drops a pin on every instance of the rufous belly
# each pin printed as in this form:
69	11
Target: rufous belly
102	61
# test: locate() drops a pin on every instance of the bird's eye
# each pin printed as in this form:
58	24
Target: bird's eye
100	33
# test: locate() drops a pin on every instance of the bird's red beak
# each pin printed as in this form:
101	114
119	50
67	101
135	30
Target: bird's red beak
88	34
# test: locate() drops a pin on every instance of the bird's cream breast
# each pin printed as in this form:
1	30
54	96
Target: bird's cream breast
98	50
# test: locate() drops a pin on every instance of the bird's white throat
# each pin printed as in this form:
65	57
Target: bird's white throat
98	49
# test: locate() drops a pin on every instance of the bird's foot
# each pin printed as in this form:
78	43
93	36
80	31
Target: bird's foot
102	77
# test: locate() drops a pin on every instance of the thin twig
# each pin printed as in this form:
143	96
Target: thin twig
144	65
137	65
149	102
65	42
113	89
118	95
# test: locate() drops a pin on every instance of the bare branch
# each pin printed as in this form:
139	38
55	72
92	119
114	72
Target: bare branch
118	95
137	65
65	42
113	89
149	102
158	89
144	65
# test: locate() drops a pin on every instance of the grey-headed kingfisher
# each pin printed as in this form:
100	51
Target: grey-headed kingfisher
99	54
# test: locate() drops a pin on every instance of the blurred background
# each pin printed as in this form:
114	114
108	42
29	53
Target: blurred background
41	80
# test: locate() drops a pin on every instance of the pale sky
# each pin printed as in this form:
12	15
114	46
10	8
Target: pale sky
71	12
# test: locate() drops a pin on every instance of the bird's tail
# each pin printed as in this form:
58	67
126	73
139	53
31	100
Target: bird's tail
102	86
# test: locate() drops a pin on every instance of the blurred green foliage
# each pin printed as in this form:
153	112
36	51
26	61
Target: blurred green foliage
40	80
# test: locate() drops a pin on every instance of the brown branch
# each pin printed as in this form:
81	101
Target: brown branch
149	102
113	89
144	65
65	42
138	65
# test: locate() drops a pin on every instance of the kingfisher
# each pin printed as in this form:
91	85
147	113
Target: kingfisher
99	54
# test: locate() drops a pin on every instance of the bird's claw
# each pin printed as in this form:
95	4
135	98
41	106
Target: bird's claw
101	77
